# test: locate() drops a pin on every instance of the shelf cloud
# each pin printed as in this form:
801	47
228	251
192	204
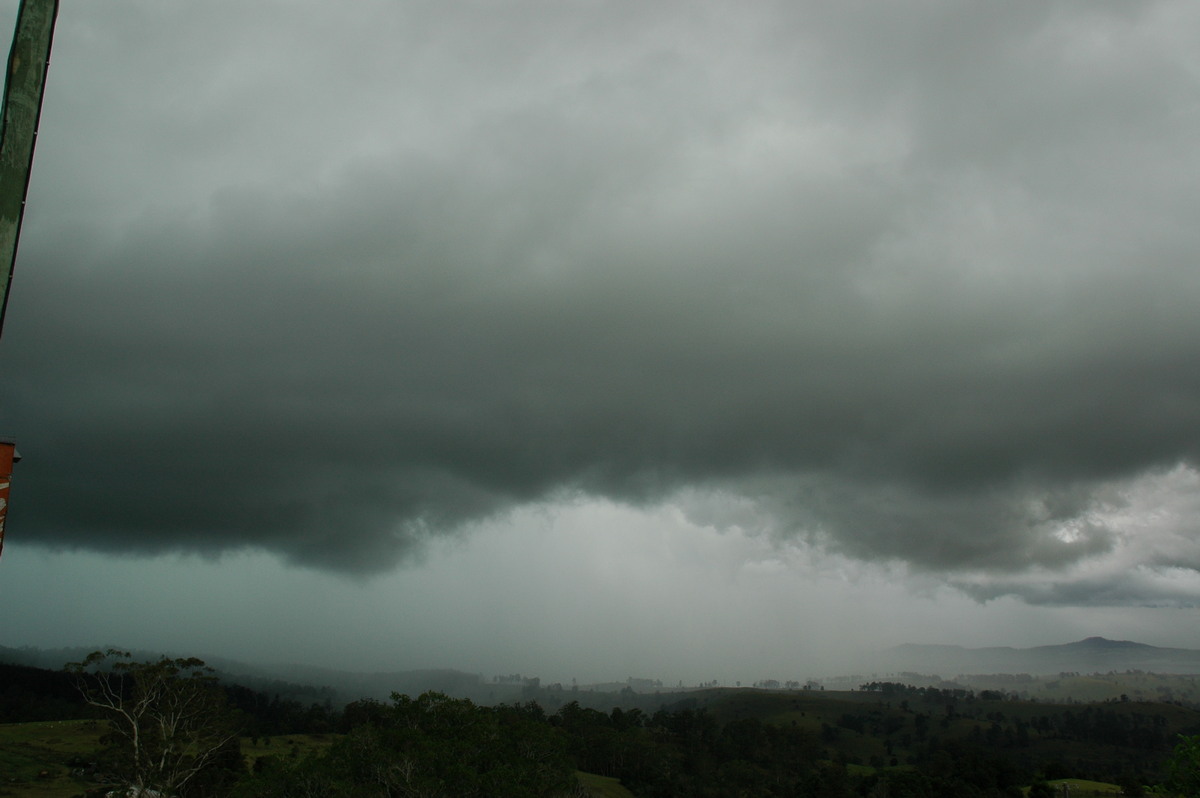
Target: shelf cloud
914	284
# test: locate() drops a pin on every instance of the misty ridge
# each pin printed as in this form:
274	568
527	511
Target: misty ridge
1003	668
1094	654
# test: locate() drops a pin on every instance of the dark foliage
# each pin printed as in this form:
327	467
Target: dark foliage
928	742
31	694
170	728
431	745
265	715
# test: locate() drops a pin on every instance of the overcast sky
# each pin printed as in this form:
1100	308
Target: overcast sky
593	339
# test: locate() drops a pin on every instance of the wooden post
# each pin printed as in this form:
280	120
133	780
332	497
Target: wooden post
24	86
23	89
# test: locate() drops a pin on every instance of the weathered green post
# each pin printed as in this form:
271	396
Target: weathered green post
23	88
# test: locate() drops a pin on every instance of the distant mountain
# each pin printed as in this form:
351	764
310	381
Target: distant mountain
309	685
1094	654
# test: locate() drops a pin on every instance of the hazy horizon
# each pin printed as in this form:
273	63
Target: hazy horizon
594	340
1088	655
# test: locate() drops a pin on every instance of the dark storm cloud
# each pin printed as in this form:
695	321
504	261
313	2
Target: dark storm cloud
920	280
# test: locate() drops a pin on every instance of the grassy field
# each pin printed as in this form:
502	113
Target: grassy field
286	746
1082	788
36	758
602	786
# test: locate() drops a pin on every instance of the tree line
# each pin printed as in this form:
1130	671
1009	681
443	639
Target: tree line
174	730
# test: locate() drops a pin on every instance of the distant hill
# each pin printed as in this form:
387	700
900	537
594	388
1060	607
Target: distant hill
309	685
262	679
1094	654
302	683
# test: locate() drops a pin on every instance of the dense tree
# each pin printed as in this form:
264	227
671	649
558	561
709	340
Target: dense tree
432	745
903	741
168	720
1040	789
30	694
1184	767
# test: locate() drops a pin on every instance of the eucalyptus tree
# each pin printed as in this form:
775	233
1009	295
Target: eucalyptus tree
169	720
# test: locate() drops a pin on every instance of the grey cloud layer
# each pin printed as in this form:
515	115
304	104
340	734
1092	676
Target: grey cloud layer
921	280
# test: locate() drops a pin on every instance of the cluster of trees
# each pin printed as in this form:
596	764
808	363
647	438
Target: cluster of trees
435	745
175	731
790	684
432	745
690	752
930	695
34	694
263	715
1094	724
170	728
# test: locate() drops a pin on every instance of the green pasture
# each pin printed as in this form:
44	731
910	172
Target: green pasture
1082	788
602	786
35	758
284	746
